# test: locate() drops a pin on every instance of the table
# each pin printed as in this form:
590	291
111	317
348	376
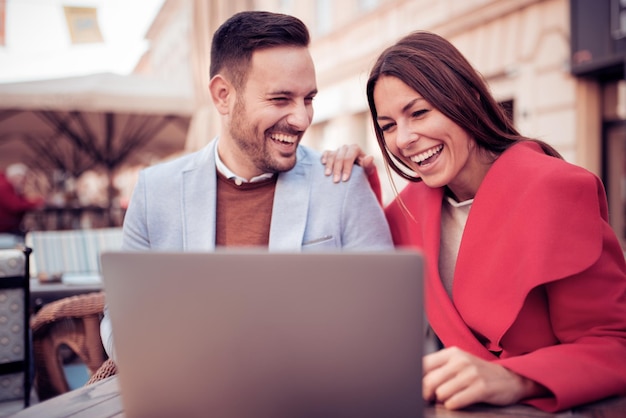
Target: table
103	400
42	293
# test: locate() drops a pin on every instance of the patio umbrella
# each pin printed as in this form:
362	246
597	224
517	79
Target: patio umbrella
101	121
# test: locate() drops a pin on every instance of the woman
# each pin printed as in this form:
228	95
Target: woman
526	281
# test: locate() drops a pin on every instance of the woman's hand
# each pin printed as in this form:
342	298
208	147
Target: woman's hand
339	162
458	379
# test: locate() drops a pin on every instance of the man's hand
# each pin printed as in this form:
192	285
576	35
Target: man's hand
339	162
458	379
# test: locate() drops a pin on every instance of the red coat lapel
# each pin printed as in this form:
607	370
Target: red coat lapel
423	232
522	232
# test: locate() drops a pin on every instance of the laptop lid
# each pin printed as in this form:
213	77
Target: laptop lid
258	334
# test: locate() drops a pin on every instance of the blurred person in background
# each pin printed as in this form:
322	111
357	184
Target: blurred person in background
14	203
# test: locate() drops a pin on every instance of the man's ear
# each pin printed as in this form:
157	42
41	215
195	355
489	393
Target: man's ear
221	92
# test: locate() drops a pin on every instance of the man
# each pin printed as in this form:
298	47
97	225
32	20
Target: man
254	185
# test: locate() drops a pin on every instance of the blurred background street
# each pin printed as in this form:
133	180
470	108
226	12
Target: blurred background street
92	91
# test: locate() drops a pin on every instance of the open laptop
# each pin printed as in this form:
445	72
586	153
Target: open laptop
256	334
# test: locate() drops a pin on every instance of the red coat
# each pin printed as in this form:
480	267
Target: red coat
13	206
540	277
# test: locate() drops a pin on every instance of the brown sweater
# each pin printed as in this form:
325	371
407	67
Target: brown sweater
244	212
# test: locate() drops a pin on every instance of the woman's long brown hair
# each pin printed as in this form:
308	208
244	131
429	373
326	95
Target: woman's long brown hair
435	69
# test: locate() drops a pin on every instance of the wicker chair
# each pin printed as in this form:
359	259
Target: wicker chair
73	322
107	369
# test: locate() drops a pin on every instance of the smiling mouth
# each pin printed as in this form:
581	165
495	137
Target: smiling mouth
425	157
284	138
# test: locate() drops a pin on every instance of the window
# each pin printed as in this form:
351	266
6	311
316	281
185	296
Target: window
367	5
286	6
618	19
323	16
616	178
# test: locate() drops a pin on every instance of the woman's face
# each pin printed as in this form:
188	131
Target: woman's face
431	144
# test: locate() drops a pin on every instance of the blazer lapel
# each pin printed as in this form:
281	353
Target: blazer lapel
199	190
290	210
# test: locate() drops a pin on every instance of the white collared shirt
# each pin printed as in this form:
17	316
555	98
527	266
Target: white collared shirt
453	219
228	173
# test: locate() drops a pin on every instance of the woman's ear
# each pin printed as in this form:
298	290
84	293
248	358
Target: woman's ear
221	92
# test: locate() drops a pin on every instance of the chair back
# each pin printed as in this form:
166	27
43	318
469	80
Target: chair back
73	324
73	251
14	325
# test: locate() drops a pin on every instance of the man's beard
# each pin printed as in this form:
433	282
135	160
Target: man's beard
255	147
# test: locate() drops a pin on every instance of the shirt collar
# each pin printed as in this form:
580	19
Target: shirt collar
456	204
221	167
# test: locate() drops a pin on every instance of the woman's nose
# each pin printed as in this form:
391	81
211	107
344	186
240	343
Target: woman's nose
406	137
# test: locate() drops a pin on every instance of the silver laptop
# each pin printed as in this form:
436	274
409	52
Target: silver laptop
255	334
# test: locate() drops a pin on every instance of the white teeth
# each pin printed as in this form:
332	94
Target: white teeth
426	154
290	139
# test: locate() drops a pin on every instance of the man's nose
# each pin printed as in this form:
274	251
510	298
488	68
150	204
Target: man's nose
300	116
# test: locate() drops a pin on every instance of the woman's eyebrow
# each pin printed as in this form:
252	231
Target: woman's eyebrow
411	104
405	108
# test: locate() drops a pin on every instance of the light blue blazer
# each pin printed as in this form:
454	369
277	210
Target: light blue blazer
173	208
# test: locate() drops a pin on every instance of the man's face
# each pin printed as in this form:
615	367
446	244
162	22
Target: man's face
271	112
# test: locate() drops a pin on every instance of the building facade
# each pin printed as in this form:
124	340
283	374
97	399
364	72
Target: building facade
533	54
